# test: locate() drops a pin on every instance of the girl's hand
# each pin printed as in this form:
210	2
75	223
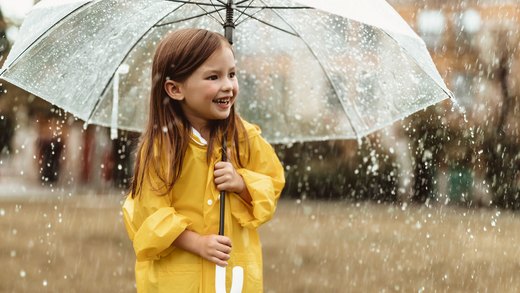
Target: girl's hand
214	248
227	178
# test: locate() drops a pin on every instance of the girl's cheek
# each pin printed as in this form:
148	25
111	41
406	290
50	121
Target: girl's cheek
213	90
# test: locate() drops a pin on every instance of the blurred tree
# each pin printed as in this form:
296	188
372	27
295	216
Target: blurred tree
500	59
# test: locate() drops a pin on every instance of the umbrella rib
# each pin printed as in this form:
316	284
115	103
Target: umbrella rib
250	16
98	102
251	2
8	66
325	71
266	23
277	7
449	93
207	13
190	2
181	20
214	7
238	6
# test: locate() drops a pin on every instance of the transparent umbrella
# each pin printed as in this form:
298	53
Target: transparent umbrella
307	70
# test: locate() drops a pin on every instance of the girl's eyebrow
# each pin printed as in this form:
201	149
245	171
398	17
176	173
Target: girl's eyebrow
212	70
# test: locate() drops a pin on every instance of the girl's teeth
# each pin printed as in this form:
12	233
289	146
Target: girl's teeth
221	102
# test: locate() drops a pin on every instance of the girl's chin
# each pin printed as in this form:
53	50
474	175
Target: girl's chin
221	115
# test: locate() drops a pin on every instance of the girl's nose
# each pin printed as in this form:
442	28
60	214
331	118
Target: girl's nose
227	86
227	89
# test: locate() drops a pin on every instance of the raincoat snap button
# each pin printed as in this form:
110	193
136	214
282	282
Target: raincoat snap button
210	202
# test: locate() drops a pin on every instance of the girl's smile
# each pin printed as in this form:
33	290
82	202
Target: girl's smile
223	103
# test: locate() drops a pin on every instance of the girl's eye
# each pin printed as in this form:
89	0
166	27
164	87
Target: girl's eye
232	74
213	77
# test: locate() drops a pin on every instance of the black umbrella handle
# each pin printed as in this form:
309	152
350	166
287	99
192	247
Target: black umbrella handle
223	192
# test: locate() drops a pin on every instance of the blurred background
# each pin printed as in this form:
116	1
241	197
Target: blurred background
428	204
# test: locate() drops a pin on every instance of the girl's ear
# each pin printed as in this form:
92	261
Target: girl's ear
173	90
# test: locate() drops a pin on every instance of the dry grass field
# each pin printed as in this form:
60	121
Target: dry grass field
79	244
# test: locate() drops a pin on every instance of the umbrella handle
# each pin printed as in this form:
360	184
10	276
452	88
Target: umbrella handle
223	192
220	272
220	279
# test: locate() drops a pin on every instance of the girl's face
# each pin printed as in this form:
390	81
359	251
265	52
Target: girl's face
210	91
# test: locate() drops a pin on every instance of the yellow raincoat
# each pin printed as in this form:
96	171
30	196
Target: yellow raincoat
154	222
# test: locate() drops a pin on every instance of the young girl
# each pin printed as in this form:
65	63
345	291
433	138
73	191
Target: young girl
172	213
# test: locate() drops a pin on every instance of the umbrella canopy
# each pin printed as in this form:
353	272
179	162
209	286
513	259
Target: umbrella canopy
307	70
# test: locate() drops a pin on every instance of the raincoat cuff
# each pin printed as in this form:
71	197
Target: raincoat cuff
264	195
154	238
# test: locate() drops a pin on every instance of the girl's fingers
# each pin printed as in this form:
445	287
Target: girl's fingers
223	165
222	256
222	178
219	165
218	262
219	180
224	240
220	253
218	173
222	187
222	168
223	249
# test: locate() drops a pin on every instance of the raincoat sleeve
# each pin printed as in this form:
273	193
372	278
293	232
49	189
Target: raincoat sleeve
264	179
152	223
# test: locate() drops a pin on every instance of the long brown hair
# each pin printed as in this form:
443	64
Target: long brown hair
167	132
